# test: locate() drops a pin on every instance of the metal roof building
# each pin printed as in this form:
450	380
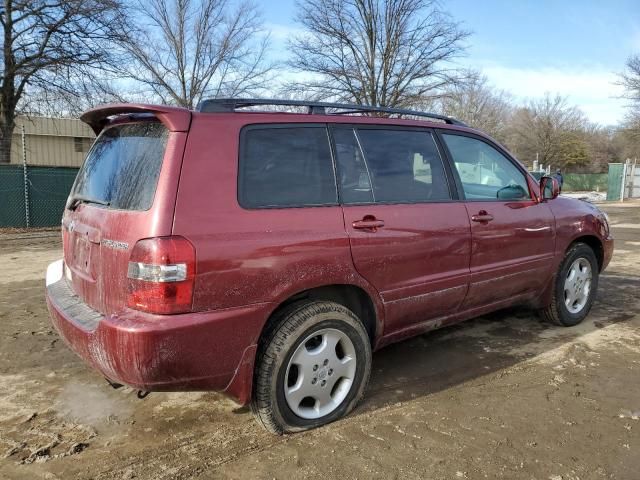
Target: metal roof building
60	142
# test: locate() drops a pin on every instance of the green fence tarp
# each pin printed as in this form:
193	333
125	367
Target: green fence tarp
47	189
614	188
12	211
585	182
580	182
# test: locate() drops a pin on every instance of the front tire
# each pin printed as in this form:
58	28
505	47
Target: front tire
312	369
575	287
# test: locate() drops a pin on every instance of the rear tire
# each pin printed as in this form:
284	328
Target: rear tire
312	368
575	287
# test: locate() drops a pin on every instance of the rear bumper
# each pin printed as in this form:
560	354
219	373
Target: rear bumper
197	351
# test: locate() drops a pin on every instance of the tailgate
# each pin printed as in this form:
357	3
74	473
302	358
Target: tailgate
124	192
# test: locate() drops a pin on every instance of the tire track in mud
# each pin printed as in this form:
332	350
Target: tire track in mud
501	355
180	450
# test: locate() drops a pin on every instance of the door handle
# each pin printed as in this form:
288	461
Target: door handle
482	216
368	223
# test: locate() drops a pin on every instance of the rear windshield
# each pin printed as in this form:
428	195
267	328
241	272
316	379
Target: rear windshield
123	165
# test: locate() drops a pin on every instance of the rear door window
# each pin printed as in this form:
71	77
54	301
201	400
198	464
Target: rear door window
123	166
286	167
403	166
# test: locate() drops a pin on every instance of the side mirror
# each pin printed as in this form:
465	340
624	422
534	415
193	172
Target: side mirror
549	188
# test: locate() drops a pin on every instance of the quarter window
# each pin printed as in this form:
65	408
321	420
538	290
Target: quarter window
286	167
485	173
399	166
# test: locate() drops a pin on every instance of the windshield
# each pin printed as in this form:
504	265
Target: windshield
122	167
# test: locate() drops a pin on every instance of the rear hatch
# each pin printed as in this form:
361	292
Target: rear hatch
124	192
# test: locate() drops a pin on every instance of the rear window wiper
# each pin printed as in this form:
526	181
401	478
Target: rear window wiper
76	200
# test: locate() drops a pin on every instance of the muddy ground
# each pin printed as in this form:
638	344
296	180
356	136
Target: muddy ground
502	396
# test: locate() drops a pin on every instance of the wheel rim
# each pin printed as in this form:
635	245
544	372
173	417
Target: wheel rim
577	285
320	373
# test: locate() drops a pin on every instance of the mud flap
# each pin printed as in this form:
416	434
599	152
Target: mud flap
239	388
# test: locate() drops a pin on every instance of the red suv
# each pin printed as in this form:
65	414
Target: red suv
267	254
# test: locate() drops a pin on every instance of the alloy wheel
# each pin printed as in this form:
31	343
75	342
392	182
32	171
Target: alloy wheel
320	373
577	285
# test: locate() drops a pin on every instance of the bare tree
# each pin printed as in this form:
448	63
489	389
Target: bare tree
188	49
479	105
551	128
604	148
626	140
45	44
394	53
81	92
630	78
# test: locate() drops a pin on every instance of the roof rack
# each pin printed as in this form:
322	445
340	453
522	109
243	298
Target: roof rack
226	105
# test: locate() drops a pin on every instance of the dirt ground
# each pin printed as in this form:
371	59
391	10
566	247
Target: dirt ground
501	396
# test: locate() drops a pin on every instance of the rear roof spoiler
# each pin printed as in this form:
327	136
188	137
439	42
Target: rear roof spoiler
176	119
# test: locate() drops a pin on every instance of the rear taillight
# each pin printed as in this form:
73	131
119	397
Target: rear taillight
161	275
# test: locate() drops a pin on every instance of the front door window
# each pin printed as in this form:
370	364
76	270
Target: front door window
485	173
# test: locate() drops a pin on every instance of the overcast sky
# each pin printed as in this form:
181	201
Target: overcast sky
571	47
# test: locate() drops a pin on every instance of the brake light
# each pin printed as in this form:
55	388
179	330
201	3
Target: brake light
161	275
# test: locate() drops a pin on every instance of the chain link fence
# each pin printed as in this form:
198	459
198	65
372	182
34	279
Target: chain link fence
45	156
33	196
